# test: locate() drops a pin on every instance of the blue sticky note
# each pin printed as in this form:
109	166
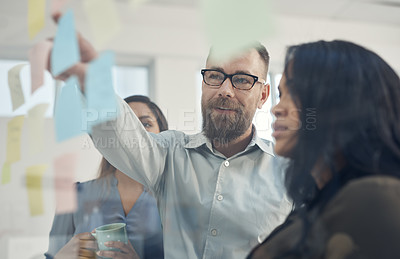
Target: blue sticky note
101	99
65	51
68	111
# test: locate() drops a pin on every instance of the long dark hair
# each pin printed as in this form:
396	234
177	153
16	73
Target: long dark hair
349	99
105	167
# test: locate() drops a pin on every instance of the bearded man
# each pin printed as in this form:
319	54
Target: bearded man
219	192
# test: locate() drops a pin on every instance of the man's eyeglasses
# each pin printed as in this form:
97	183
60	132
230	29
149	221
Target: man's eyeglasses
242	81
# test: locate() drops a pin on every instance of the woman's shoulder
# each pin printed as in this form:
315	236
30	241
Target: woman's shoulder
87	185
95	186
373	197
363	217
372	187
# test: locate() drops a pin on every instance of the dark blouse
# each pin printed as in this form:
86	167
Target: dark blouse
359	220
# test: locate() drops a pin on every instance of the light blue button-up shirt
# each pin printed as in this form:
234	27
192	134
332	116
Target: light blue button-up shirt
210	206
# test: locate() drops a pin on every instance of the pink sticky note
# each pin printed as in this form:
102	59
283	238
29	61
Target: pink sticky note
64	169
56	5
38	58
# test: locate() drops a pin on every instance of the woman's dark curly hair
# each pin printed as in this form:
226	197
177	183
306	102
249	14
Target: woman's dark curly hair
349	99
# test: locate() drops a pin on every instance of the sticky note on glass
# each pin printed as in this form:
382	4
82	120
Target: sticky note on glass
35	126
65	52
101	99
38	58
233	25
36	16
14	130
14	83
56	5
68	111
34	176
136	3
103	20
64	183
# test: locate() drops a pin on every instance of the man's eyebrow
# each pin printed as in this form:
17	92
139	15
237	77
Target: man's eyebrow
243	72
236	72
217	68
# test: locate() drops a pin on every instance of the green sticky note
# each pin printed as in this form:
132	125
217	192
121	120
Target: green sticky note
233	25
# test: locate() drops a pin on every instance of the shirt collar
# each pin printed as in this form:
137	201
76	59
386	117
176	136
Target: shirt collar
265	145
196	140
199	139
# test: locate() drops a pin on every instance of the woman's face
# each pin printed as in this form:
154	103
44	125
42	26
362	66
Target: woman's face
146	116
287	121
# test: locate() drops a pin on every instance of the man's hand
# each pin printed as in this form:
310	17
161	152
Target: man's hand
126	251
82	245
87	53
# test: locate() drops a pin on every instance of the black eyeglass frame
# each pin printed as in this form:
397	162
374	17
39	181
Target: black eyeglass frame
230	78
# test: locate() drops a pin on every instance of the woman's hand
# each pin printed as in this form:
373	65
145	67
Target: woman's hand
82	245
126	251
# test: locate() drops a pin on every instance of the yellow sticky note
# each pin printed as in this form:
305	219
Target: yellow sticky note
34	175
6	173
35	121
136	3
36	16
14	83
233	25
103	19
64	183
14	129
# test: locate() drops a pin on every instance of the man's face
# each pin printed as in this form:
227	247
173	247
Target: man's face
227	111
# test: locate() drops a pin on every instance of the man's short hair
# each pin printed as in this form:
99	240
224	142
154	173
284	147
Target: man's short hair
262	51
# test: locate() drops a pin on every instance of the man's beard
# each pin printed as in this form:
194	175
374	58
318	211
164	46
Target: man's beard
224	128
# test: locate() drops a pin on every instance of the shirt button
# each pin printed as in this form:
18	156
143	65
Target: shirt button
220	197
226	163
214	232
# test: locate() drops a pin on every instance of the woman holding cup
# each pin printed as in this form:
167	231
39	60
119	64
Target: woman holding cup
111	198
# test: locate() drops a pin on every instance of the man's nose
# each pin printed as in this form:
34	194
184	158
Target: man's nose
226	89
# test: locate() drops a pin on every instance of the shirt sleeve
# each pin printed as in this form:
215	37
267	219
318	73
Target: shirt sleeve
130	148
61	232
363	220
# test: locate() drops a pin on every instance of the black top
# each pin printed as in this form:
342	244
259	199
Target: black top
359	220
